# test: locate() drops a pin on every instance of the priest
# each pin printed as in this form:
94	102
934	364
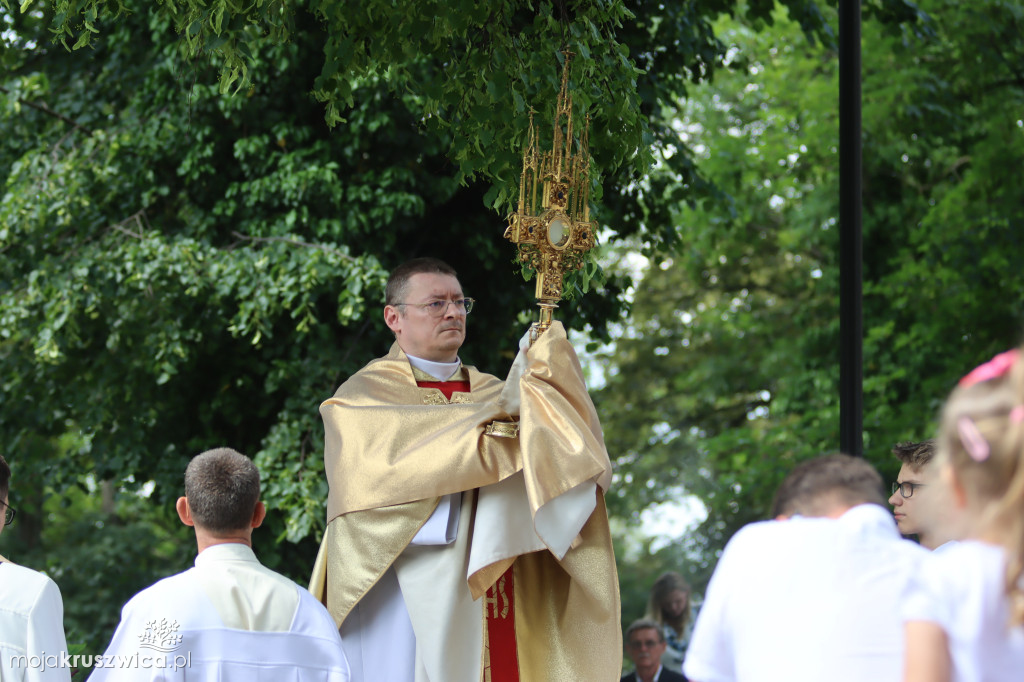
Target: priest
467	536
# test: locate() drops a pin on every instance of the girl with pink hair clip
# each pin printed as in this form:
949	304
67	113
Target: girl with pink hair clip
964	618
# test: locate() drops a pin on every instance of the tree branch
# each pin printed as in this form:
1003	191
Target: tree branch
136	218
294	242
48	111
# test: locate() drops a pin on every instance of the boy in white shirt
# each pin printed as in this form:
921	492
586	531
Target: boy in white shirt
31	614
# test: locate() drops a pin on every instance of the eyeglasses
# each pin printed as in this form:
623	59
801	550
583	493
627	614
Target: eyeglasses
438	308
906	488
9	513
643	644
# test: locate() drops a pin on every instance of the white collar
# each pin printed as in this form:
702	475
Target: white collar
442	370
227	551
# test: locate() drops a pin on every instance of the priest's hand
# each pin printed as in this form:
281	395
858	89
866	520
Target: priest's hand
509	399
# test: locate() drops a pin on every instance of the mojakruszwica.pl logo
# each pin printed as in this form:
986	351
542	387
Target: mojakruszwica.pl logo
159	636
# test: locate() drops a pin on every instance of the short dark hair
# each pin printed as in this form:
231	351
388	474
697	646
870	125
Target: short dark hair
222	487
645	624
5	478
818	483
915	455
398	282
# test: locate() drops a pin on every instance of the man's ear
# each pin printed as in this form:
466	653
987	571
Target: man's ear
391	318
184	513
258	514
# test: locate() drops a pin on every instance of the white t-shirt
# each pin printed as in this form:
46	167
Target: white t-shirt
806	600
31	626
962	591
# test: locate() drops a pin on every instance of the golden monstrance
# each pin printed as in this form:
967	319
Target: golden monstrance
552	225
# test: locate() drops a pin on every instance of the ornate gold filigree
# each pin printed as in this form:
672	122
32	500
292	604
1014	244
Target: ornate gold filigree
502	429
552	225
434	396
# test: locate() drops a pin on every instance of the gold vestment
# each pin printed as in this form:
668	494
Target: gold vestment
391	452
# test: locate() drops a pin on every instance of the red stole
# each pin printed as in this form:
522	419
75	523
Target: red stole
499	604
446	387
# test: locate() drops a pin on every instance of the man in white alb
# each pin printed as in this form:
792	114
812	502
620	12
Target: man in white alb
813	595
229	618
31	614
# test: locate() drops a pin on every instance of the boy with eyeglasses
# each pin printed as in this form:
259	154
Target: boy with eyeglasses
917	502
32	640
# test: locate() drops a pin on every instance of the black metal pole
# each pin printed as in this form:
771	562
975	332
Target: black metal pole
851	326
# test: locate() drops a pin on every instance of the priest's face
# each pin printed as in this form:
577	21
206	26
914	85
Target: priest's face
421	332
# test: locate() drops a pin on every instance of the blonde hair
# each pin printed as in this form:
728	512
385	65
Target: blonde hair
665	585
982	438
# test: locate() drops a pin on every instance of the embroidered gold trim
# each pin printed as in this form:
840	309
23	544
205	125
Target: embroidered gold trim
502	429
435	397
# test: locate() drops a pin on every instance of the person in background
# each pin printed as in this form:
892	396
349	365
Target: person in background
813	594
918	504
31	614
669	608
645	645
965	612
228	619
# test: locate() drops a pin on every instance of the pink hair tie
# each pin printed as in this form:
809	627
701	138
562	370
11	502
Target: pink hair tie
1017	414
996	367
974	442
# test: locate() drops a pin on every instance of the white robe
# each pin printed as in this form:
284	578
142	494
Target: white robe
228	619
31	626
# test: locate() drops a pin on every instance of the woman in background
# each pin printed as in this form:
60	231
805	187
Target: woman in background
669	607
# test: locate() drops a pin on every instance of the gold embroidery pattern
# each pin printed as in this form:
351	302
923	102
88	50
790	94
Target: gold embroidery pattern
502	429
492	599
434	396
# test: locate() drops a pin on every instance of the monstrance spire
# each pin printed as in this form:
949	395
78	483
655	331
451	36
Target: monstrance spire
551	224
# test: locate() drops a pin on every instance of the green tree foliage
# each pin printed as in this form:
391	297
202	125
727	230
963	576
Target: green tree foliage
201	201
729	372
